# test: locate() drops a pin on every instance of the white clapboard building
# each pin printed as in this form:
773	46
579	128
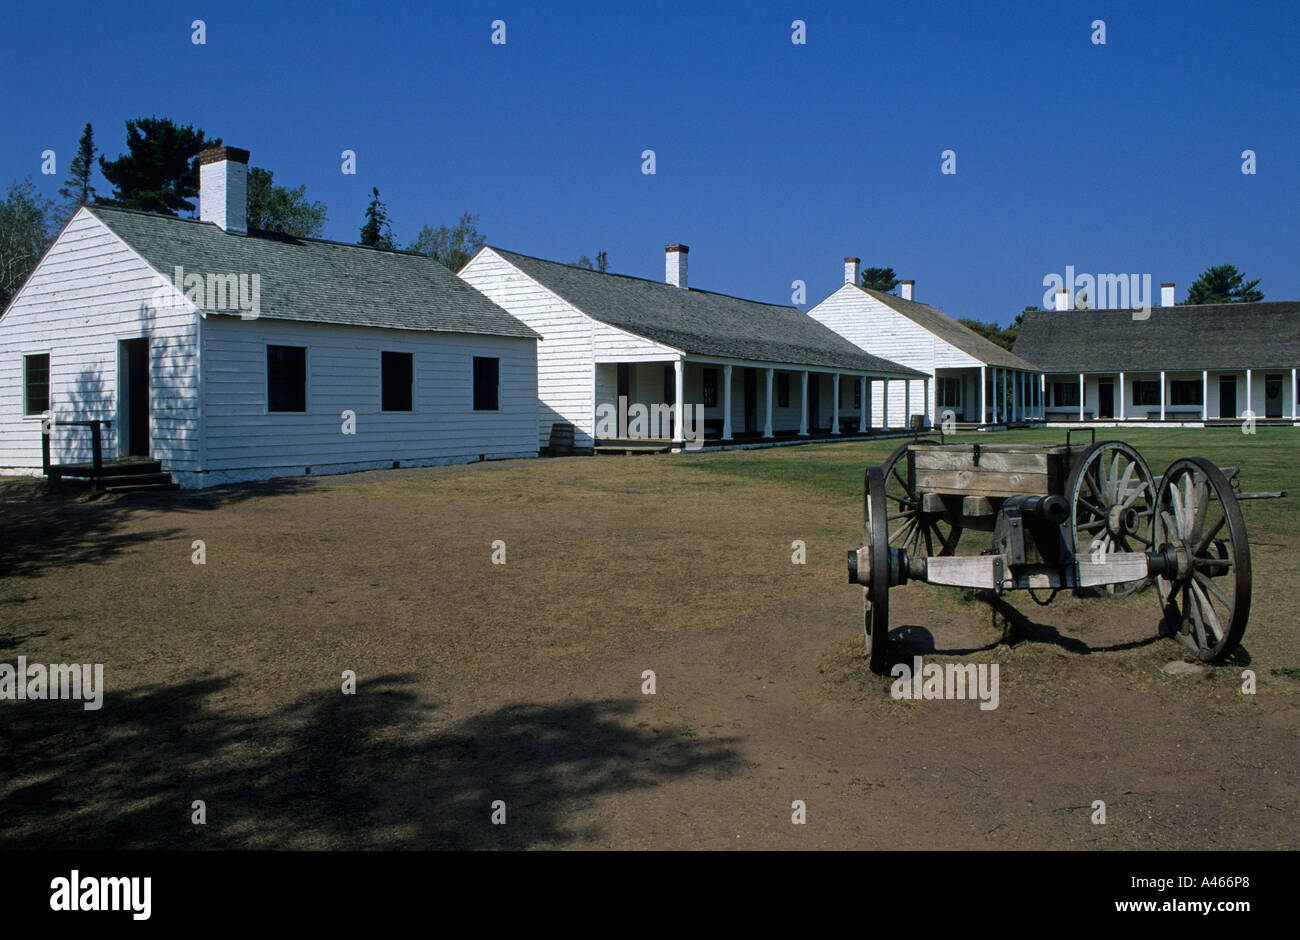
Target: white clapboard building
973	379
224	354
755	372
1177	364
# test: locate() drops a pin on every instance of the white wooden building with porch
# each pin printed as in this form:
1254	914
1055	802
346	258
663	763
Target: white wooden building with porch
1192	365
975	380
755	371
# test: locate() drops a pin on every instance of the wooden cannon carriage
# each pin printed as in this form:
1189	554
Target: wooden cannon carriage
1085	517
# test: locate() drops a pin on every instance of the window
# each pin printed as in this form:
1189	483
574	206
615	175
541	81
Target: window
1146	393
286	378
36	384
857	393
1065	393
670	385
949	393
710	388
396	370
487	382
1185	392
783	390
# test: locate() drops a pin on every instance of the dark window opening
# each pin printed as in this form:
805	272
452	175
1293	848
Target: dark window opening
783	390
36	384
1065	393
487	383
710	388
1146	393
1186	392
397	370
286	378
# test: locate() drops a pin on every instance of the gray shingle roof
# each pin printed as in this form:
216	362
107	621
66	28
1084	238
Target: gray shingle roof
317	281
950	331
703	323
1262	335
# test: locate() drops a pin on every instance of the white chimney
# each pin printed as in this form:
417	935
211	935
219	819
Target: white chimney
675	265
851	270
1166	295
223	188
1062	300
905	289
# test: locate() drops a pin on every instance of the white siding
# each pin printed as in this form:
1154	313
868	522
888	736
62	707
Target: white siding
245	441
89	292
882	331
571	344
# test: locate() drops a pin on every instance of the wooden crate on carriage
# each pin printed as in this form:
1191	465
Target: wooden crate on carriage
990	470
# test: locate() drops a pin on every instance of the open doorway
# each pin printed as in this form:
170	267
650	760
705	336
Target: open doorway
133	398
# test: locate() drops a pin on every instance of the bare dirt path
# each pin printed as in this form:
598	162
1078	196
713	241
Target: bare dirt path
522	682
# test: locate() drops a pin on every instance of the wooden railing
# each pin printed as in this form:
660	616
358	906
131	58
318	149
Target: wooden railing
96	444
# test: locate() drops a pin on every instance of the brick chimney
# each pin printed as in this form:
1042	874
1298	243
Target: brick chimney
905	289
851	266
675	265
1167	295
1062	300
223	188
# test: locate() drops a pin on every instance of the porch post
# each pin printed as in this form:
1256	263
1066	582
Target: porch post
767	427
1205	394
1121	396
884	404
1250	402
868	402
726	403
1162	396
983	379
1294	397
926	407
1042	395
1080	396
679	391
1015	380
803	405
862	412
835	407
907	403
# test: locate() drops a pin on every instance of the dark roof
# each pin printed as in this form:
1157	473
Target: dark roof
317	281
952	332
1205	336
703	323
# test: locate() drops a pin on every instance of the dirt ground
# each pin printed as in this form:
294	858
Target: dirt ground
522	681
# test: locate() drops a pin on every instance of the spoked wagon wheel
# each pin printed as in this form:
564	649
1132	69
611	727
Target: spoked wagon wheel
875	592
920	533
1112	505
1207	600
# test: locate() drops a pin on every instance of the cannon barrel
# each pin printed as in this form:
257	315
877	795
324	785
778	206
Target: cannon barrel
1054	509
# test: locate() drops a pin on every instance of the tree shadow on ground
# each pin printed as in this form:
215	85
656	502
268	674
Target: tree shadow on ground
377	769
42	527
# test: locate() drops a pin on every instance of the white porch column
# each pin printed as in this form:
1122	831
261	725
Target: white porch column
1162	396
726	403
865	402
803	405
983	378
1250	402
926	410
835	406
1015	379
884	404
1042	395
868	401
767	425
1121	396
1080	396
1205	394
1295	399
907	403
679	391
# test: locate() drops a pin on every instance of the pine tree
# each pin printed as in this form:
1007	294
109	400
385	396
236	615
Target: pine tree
377	232
78	190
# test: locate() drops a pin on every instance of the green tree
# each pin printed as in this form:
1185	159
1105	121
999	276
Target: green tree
273	208
583	262
1223	285
881	279
602	261
25	229
77	190
159	172
377	232
600	264
452	247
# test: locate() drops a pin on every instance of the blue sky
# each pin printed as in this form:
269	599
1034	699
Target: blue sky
774	160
